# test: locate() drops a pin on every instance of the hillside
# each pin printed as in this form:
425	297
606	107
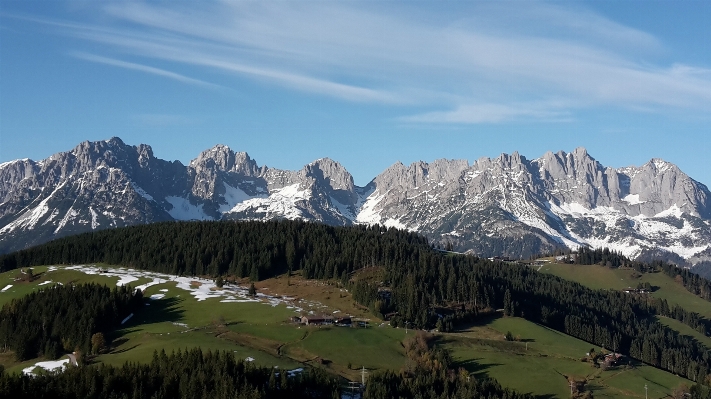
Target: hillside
429	289
178	319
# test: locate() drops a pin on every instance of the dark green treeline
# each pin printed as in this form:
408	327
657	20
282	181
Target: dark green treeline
246	249
189	374
217	375
61	319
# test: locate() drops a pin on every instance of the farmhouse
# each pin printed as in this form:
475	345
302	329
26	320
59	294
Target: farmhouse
343	321
611	359
316	320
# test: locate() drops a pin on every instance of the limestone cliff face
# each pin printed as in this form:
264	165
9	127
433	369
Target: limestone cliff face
516	207
507	205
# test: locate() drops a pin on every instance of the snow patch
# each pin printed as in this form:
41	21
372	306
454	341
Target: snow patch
94	218
282	202
633	199
343	209
661	165
395	223
70	215
672	211
140	191
31	217
14	161
368	214
233	196
184	210
201	289
50	365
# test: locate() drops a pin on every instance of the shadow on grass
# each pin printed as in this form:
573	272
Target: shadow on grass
123	350
159	311
474	366
119	341
480	321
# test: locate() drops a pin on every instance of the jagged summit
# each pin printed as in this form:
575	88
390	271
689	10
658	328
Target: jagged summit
508	205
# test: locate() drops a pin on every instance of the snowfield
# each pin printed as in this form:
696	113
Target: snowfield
201	289
51	365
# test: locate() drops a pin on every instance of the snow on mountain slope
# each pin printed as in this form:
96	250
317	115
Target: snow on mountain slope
515	207
507	205
233	197
282	202
183	210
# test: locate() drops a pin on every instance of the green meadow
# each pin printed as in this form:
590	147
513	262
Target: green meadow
600	277
539	362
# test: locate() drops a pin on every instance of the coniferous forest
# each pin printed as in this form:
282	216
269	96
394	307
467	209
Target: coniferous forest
62	319
429	288
217	375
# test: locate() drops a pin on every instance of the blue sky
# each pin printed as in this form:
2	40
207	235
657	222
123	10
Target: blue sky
364	83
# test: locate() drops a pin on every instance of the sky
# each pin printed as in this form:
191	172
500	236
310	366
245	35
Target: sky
364	83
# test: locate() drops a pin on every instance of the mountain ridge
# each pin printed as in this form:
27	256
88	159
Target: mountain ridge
507	205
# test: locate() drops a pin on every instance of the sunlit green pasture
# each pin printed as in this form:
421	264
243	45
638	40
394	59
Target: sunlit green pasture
543	359
600	277
538	363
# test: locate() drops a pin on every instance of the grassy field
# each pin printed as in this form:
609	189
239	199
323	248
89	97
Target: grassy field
258	330
541	362
21	288
683	329
600	277
375	348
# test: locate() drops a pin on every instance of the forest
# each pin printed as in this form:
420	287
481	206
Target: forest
258	250
216	375
430	288
61	319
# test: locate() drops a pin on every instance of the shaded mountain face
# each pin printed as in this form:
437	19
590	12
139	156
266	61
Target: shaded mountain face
506	206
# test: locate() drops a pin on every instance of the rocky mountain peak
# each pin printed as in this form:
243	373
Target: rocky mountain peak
222	158
420	174
658	186
331	173
506	205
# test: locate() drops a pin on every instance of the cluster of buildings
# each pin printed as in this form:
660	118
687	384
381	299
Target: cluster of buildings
321	320
611	359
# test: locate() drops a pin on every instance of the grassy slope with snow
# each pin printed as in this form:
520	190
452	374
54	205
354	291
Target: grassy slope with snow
189	313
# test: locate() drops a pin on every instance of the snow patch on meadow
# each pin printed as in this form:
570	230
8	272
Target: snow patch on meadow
201	289
50	365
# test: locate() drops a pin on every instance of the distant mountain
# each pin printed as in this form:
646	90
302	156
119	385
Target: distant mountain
504	206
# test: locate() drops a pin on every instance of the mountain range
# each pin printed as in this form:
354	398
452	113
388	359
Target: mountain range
506	206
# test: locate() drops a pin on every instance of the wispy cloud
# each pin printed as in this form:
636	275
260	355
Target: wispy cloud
144	68
490	113
482	63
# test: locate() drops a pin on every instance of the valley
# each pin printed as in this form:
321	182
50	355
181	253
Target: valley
176	319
